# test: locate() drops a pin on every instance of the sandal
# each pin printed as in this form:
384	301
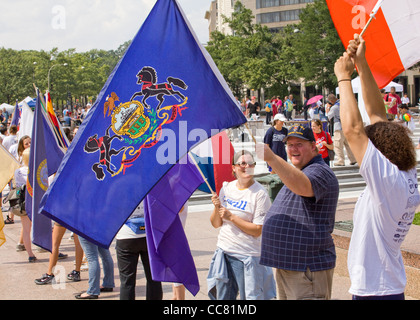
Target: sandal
86	297
8	220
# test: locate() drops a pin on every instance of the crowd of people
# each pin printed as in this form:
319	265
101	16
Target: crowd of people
296	232
324	119
282	249
130	244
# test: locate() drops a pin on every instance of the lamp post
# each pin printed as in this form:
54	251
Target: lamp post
33	71
49	71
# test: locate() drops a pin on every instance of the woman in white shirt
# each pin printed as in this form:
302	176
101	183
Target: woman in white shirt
239	212
131	245
20	178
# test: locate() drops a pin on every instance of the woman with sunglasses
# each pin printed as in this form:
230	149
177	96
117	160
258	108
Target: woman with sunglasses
239	212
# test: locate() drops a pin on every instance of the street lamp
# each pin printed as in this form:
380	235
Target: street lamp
33	71
49	71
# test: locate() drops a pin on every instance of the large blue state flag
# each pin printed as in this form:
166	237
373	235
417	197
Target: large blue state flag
45	158
164	96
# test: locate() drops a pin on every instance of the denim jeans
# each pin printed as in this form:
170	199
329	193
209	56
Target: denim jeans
236	283
92	253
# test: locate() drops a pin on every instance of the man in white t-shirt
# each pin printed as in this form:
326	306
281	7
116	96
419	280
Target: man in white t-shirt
386	208
12	138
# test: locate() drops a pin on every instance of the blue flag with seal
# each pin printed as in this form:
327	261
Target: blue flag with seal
45	158
164	96
37	182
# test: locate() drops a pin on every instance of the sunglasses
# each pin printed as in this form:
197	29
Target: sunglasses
243	164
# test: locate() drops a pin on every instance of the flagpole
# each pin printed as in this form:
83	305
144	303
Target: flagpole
250	132
45	107
201	172
372	16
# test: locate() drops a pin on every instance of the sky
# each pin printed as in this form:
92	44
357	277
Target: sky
83	24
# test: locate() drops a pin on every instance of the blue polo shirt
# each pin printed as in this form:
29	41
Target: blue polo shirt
297	232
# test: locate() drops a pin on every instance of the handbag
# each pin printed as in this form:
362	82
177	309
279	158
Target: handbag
331	154
16	198
13	197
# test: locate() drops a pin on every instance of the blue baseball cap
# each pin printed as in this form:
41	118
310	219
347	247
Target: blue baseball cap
301	132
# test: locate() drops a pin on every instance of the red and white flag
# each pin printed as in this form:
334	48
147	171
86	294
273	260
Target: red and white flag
214	158
392	38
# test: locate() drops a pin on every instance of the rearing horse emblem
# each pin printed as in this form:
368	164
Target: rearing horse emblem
134	126
147	77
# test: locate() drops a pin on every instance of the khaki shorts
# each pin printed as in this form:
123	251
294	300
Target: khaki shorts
297	285
17	212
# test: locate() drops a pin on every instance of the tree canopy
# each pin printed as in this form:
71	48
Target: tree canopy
252	57
84	74
255	57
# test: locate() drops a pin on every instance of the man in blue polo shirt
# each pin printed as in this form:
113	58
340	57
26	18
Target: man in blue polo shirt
296	236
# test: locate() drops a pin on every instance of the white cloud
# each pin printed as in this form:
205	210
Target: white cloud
83	24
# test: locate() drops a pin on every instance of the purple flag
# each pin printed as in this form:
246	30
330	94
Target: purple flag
169	252
16	116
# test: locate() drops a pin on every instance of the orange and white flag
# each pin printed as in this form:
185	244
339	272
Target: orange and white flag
392	38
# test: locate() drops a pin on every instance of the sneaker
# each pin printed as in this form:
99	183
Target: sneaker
20	247
45	279
74	276
32	259
62	256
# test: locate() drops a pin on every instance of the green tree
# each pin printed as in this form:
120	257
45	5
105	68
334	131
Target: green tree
83	76
250	56
16	73
317	45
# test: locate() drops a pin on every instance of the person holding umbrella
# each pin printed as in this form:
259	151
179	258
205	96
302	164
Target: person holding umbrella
313	105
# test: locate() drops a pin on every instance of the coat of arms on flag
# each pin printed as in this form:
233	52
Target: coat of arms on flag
138	124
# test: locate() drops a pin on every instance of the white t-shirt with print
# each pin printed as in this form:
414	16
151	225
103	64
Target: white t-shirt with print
382	218
251	205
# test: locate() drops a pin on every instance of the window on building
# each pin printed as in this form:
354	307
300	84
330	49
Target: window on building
278	16
277	3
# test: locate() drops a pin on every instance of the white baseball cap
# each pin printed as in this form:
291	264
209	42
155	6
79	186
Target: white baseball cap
280	117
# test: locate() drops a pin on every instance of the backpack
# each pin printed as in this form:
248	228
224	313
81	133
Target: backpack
16	198
289	105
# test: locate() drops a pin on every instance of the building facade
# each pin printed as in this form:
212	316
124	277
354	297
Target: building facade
275	14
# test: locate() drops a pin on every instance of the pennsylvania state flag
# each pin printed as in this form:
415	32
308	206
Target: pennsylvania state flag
164	96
